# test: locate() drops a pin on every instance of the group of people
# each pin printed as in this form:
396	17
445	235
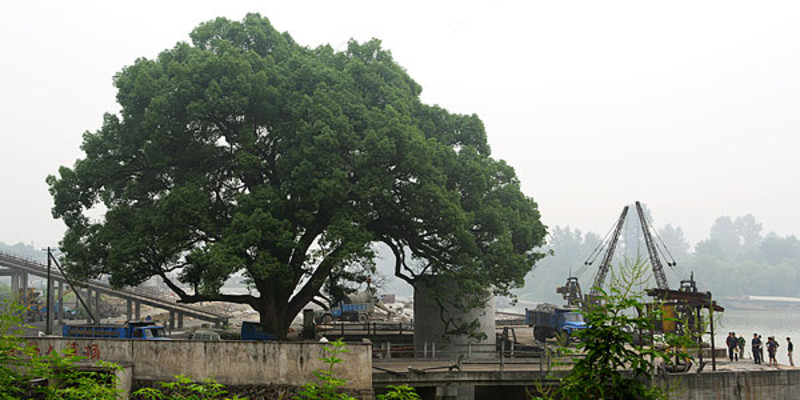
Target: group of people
736	348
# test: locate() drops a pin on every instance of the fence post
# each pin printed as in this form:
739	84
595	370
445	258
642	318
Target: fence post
541	361
425	350
389	350
502	355
433	349
341	326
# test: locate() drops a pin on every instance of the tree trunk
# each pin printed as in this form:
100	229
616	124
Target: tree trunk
274	320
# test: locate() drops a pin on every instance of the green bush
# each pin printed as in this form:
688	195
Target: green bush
614	365
21	366
402	392
183	388
330	386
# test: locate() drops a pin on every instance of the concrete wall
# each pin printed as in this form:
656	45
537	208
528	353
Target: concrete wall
230	363
489	384
736	385
428	318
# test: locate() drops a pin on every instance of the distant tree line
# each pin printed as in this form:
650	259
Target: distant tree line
24	250
737	258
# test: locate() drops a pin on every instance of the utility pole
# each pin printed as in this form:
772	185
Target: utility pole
49	326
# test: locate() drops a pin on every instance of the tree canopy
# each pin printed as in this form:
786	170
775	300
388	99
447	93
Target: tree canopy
244	152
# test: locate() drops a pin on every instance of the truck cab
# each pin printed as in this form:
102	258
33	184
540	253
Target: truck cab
570	321
148	333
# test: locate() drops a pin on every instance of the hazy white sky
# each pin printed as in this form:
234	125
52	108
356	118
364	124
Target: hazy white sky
690	107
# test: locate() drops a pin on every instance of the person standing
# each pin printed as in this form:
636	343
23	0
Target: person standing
790	349
731	343
772	348
761	349
741	342
756	343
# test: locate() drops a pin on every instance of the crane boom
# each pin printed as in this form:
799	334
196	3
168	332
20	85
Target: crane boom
655	261
600	278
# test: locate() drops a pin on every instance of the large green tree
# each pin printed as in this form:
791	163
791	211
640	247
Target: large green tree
244	152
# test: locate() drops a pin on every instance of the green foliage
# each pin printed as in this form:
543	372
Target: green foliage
21	364
329	386
614	365
245	152
402	392
184	388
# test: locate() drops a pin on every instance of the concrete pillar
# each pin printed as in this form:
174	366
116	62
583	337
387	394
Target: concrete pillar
138	310
128	310
23	279
88	301
446	393
171	320
180	320
97	306
452	392
60	303
15	285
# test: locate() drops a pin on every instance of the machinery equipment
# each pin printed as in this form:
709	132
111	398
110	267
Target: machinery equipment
571	291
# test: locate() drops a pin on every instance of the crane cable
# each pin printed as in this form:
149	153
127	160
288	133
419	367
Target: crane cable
596	252
677	269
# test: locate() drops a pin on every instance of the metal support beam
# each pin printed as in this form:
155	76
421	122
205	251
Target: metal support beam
60	304
75	289
180	320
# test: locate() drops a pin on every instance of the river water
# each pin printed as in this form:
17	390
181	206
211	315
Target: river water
778	323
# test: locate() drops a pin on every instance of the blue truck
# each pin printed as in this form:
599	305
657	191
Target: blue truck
145	330
354	312
253	331
548	319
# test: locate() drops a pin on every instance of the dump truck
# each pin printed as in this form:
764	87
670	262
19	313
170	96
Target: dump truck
548	319
360	307
145	330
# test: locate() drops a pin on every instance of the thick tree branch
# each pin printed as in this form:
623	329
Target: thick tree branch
399	263
196	298
318	278
300	250
320	303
